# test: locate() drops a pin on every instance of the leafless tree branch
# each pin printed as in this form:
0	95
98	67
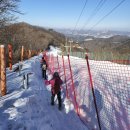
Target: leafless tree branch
8	9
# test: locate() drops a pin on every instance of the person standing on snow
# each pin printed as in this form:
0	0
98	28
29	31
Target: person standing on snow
44	68
56	83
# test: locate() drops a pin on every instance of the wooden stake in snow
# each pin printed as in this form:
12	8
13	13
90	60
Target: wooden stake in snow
3	70
22	53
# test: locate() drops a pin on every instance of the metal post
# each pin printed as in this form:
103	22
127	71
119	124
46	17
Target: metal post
25	81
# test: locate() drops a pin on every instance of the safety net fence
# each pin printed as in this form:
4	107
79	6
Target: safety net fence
98	89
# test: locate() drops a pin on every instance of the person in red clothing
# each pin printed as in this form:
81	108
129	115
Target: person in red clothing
56	83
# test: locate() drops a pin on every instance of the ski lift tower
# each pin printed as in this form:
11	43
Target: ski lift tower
66	46
70	41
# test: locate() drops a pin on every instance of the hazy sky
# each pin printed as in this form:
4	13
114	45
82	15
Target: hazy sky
64	13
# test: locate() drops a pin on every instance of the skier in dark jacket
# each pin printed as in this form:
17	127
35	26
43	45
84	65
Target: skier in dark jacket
56	83
44	67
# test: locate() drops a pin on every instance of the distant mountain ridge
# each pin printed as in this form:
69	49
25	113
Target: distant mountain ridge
80	35
117	44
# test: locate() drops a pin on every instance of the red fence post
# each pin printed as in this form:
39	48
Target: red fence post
52	63
73	86
58	64
10	55
65	76
94	98
48	61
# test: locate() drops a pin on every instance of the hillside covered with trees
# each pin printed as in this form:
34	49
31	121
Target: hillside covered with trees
31	37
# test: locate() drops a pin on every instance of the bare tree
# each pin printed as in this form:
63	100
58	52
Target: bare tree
8	8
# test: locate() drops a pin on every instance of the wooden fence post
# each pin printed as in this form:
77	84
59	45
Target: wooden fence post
10	55
3	71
